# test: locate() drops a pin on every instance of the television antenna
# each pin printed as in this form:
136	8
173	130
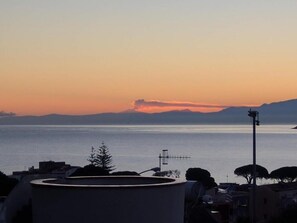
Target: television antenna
164	157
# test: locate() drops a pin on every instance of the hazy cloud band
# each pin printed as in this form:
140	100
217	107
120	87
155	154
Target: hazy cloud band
141	103
6	114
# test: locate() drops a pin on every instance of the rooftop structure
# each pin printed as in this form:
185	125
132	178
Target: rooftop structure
108	199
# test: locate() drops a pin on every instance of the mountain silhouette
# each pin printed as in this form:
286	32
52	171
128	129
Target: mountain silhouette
283	112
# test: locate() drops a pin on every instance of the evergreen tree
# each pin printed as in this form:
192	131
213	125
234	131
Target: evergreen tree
92	157
104	159
101	157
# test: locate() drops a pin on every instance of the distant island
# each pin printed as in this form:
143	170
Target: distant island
283	112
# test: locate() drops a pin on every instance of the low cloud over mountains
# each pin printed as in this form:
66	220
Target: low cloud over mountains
284	112
6	114
155	105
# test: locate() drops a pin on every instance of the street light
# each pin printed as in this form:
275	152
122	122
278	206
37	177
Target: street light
155	169
255	116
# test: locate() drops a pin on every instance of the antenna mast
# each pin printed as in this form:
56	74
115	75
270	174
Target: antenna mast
164	156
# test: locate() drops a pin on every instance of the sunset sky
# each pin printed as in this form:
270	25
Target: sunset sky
83	57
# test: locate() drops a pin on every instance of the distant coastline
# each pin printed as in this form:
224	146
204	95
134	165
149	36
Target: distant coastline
284	112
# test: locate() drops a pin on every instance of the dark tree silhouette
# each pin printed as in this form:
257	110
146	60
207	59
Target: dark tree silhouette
125	173
6	184
247	172
197	174
101	157
201	175
104	159
90	170
92	157
209	183
285	174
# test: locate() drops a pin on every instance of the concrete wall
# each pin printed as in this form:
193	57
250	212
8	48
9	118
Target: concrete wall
151	200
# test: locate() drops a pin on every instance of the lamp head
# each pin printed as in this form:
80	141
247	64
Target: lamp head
255	116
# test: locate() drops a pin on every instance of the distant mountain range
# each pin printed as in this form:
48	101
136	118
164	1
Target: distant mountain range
284	112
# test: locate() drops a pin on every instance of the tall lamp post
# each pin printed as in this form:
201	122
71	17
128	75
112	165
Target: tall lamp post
255	116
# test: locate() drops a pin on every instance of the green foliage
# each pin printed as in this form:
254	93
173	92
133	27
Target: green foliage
247	172
6	184
285	174
101	157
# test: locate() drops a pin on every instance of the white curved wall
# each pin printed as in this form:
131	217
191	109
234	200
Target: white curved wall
108	200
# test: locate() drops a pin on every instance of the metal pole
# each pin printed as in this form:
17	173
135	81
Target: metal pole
254	115
254	169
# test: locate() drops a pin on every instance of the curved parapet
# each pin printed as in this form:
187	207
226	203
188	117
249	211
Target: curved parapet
112	199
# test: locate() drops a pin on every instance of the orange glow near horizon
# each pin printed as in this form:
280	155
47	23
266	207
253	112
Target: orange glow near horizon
162	109
78	58
154	106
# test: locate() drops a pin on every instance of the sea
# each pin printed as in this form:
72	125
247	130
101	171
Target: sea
220	149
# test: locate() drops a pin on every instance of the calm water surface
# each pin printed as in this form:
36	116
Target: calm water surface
217	148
